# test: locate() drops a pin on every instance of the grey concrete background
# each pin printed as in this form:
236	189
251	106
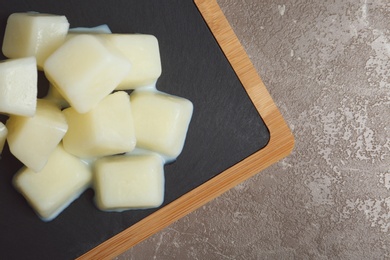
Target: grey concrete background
326	65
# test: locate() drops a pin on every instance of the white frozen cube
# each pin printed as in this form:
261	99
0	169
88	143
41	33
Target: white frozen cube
85	70
57	185
142	50
161	121
129	182
3	136
18	86
34	34
33	139
107	129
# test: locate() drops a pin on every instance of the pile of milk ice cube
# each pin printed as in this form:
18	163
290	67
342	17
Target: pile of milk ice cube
88	131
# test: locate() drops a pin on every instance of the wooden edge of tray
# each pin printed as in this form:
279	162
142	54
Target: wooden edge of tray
280	145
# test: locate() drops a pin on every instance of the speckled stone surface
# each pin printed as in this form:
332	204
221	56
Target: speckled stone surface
326	64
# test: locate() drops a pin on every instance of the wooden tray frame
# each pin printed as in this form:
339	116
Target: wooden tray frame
280	145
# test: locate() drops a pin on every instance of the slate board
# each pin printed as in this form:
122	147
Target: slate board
225	128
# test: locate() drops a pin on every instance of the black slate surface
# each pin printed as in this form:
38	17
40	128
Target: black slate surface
225	127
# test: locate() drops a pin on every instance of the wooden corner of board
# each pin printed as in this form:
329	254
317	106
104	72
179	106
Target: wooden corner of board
281	138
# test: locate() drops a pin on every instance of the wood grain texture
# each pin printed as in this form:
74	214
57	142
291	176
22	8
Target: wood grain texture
280	145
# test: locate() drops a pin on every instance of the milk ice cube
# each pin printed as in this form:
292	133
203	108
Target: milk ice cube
57	185
107	129
18	86
161	121
142	50
129	182
33	139
85	70
34	34
3	136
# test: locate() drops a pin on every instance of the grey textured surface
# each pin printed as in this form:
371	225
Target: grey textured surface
326	65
